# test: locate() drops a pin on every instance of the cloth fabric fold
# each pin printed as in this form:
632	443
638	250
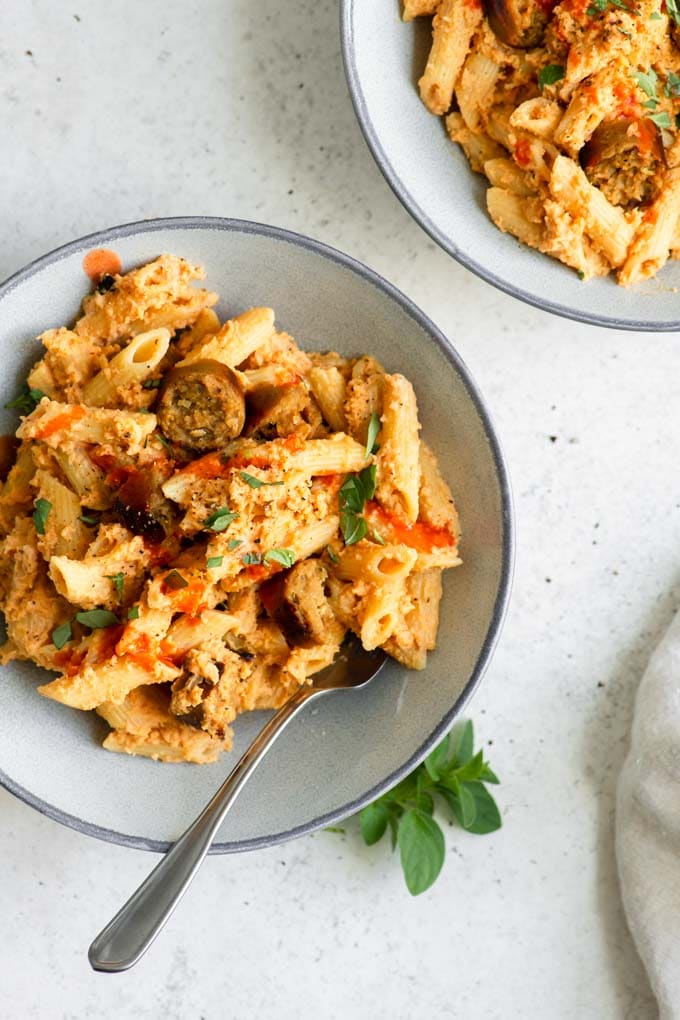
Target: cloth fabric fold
648	824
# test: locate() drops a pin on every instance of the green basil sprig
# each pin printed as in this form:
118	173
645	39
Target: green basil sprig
458	777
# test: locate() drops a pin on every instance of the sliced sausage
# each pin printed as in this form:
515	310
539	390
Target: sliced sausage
625	159
201	406
517	23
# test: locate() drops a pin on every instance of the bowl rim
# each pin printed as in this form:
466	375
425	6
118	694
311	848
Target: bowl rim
411	205
101	237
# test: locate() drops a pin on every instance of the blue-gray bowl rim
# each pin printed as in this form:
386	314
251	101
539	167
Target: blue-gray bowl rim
431	228
100	238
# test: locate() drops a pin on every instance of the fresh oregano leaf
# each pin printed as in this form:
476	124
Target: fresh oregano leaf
437	760
372	434
487	815
118	582
286	557
214	561
96	619
133	613
373	820
421	848
40	514
220	519
465	743
62	634
255	483
468	807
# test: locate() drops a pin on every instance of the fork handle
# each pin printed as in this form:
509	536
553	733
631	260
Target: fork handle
129	934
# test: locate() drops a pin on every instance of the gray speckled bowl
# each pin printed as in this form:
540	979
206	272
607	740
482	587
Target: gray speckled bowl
344	752
430	175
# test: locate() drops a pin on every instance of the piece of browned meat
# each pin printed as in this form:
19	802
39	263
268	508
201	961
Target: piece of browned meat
201	406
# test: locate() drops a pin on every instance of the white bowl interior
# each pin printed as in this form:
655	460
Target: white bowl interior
346	746
384	57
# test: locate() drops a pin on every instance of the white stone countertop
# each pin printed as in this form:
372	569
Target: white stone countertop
111	112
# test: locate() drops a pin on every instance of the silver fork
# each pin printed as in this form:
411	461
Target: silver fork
129	934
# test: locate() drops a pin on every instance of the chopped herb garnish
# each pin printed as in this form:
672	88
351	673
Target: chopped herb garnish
151	384
96	619
107	282
27	400
377	537
161	439
118	582
655	16
651	104
600	6
221	519
372	435
286	557
214	561
90	521
174	581
332	554
672	86
40	514
62	634
581	274
354	493
673	10
250	559
234	543
647	82
255	483
662	120
550	74
133	613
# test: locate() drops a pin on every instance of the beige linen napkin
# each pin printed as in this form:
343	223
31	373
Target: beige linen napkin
648	824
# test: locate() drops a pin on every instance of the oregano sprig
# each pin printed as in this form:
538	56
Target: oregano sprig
453	774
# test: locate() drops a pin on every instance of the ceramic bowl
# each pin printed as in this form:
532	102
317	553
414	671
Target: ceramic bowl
349	747
384	57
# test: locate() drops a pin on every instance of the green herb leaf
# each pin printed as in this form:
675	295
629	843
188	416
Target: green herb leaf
62	634
331	554
487	776
421	847
40	514
487	815
647	81
286	557
651	104
96	619
550	74
251	559
377	537
27	400
353	528
118	582
151	384
468	807
214	561
672	86
351	495
673	10
662	120
373	820
162	440
91	522
255	483
234	543
655	16
220	520
133	613
372	434
437	760
367	479
465	743
471	770
174	581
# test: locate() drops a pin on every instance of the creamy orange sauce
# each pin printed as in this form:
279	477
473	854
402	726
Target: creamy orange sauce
420	536
101	262
61	421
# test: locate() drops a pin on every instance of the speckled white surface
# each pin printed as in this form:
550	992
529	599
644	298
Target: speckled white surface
235	108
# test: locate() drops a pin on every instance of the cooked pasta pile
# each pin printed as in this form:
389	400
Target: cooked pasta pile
198	512
572	111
